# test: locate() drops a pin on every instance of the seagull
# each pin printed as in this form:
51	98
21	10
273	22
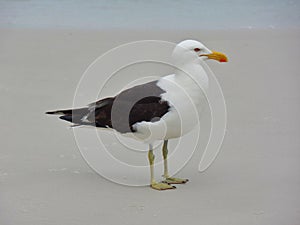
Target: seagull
158	110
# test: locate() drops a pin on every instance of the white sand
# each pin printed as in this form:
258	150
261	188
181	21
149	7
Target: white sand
255	179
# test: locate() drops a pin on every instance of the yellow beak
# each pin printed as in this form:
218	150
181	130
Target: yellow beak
217	56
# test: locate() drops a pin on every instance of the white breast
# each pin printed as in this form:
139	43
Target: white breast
185	94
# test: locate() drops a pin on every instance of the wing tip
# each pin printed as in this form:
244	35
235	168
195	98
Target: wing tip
54	113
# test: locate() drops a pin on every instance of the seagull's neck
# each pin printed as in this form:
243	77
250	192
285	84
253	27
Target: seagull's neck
192	72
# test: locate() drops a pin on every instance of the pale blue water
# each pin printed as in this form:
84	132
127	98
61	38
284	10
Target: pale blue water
150	14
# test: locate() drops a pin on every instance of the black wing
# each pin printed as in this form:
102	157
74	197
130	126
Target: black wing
136	104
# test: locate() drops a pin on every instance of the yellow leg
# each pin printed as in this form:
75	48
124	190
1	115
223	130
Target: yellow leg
155	185
165	155
168	179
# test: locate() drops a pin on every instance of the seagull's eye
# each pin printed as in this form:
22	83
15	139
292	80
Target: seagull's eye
196	49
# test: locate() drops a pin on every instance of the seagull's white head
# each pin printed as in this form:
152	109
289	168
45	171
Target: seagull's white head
189	51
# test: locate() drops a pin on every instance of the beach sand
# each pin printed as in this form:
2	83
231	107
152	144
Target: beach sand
255	179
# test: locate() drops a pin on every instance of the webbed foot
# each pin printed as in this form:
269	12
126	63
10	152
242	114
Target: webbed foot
173	180
161	186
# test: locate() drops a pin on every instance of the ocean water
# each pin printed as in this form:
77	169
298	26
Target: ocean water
150	14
